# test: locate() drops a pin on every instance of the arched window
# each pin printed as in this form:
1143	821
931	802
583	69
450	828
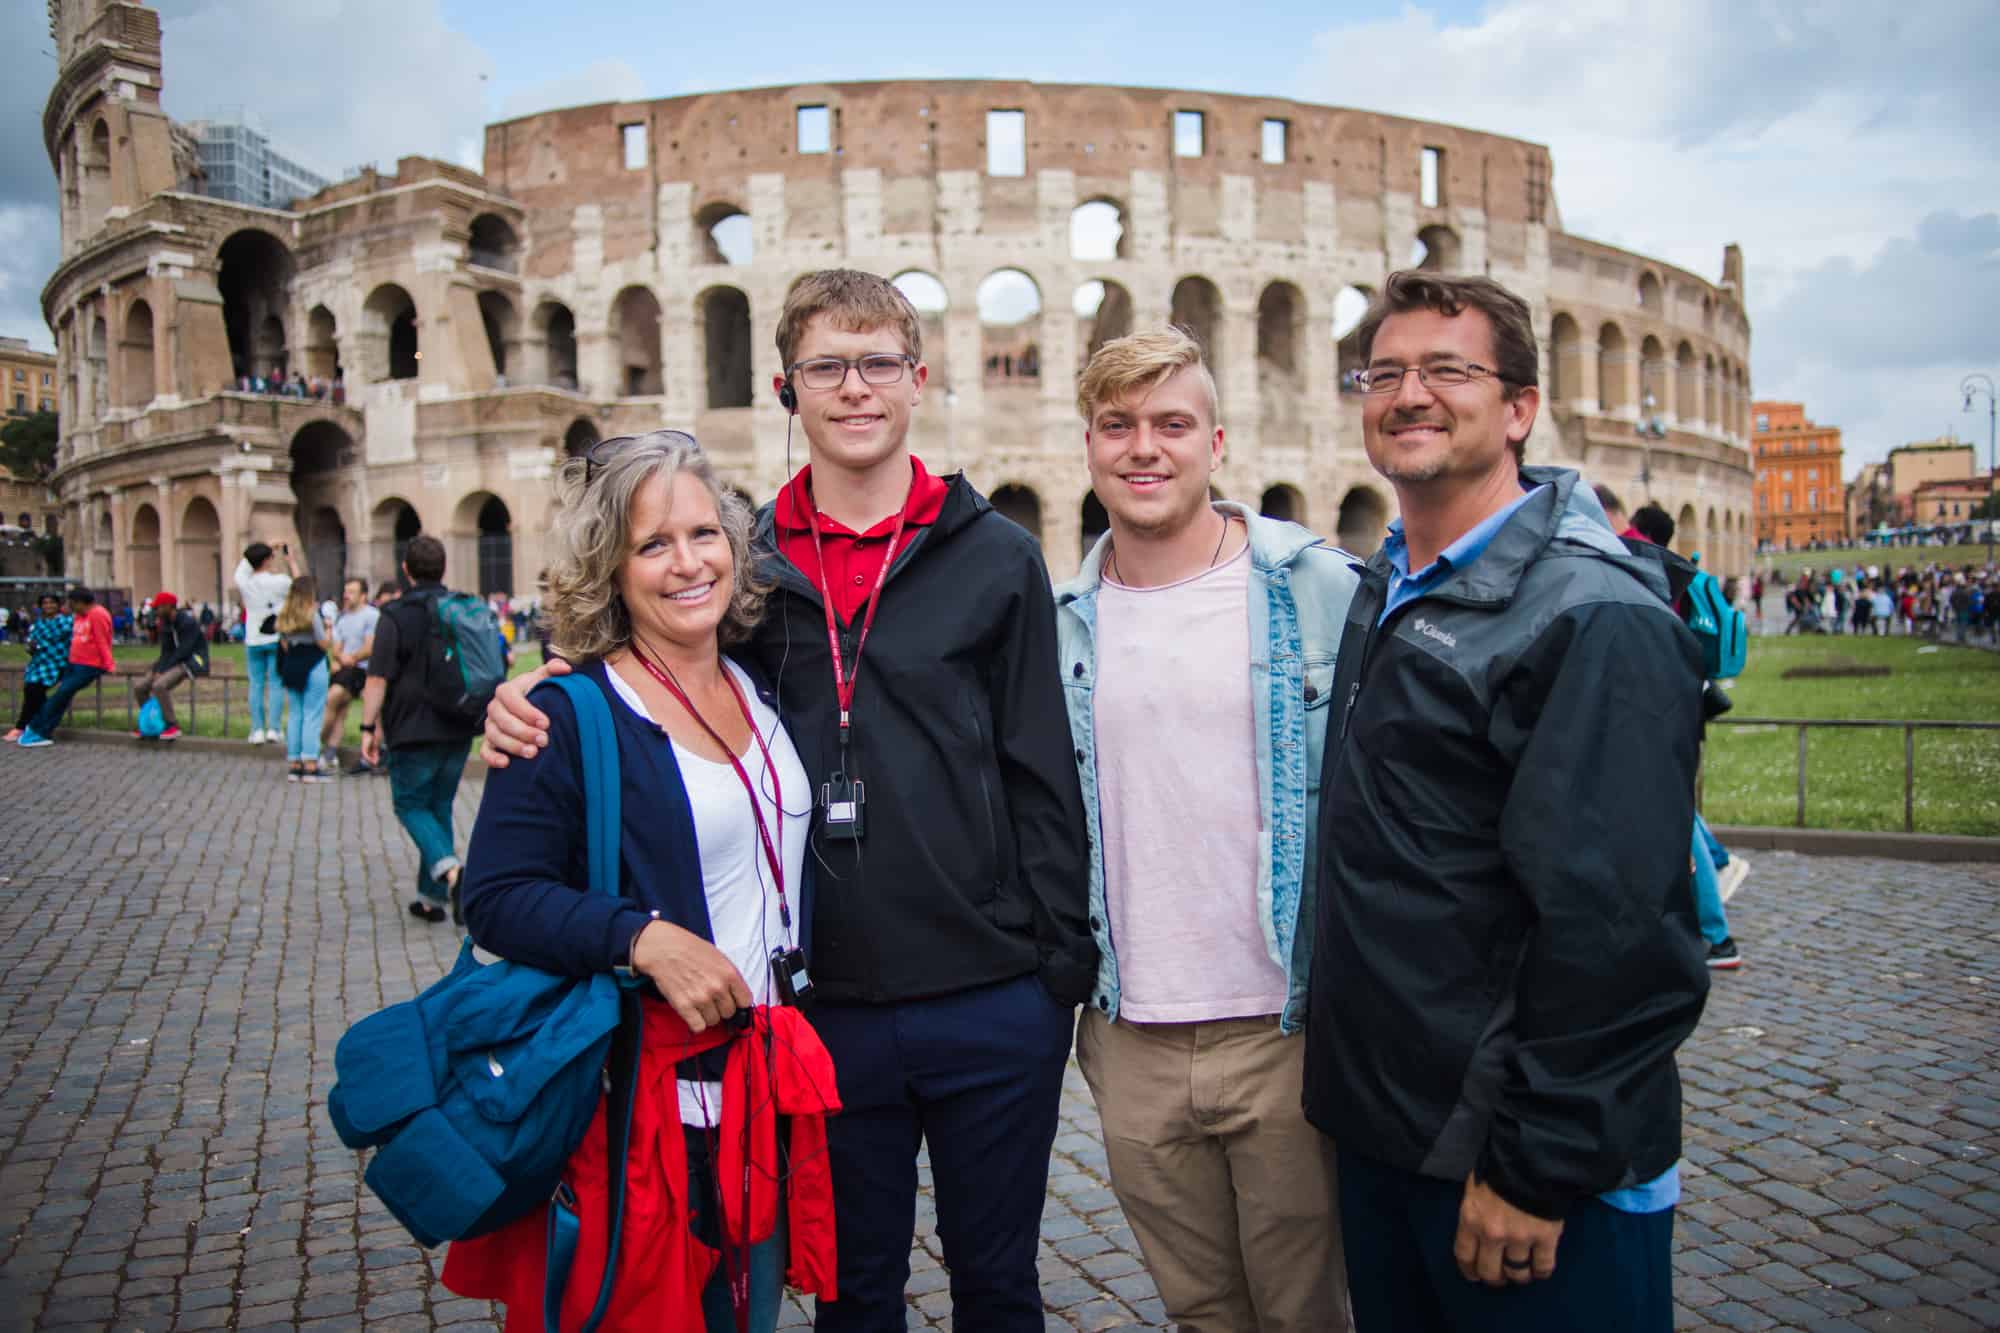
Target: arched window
503	330
582	433
1097	231
556	327
635	320
726	235
1010	313
1350	306
391	318
256	282
1436	250
1095	522
138	356
1565	359
1020	504
1650	299
1197	307
1284	502
1103	310
725	322
1280	310
145	551
322	344
1613	369
493	244
1363	521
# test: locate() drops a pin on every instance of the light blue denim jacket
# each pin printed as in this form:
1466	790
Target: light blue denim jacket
1299	591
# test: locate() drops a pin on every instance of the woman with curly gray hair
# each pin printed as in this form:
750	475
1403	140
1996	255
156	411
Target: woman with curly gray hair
651	579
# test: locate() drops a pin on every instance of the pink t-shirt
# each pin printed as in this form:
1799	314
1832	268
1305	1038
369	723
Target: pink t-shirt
1177	799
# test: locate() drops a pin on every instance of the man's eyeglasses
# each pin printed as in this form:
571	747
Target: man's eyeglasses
1437	375
601	453
830	372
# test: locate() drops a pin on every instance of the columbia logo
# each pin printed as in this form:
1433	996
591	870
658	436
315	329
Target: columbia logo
1430	631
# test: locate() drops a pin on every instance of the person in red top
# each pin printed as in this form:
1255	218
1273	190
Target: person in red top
89	658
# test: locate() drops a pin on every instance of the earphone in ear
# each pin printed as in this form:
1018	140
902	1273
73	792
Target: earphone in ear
788	398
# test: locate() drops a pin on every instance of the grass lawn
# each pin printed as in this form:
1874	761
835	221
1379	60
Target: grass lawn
199	703
1854	778
1895	557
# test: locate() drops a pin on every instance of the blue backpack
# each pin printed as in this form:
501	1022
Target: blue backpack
475	1093
471	656
1718	627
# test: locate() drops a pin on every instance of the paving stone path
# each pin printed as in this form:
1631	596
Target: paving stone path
184	936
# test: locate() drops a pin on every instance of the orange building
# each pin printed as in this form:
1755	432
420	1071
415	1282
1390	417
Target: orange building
1800	499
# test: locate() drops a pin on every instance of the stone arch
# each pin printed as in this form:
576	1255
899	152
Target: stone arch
1613	391
725	326
1687	392
580	436
200	541
1363	521
1098	230
1711	388
391	526
555	327
1010	315
1711	538
726	234
1019	502
1284	501
1280	313
1350	307
389	336
1565	359
1651	299
256	286
319	452
1686	539
503	331
1197	307
322	344
136	357
1103	310
144	550
483	522
1652	378
96	173
1438	249
1742	401
493	244
928	297
635	324
1094	521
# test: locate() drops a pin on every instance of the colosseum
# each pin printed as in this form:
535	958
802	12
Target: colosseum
621	266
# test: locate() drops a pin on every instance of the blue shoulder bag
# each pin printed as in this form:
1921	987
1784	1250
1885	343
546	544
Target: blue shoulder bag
475	1094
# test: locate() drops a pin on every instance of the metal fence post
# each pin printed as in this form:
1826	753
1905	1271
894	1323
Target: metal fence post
225	708
1801	821
1909	778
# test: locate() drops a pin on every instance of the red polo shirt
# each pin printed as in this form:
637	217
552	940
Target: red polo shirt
853	559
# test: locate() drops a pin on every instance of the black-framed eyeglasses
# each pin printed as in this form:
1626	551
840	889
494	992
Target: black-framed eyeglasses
1437	375
830	372
601	453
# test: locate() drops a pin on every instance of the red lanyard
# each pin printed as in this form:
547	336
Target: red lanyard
843	681
773	851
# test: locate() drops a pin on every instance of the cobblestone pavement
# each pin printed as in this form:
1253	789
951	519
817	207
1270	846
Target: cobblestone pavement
183	938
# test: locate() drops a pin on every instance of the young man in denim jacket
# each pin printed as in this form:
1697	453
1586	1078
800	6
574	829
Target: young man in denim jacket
1197	648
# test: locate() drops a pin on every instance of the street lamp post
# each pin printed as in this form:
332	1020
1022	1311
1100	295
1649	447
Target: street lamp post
1978	383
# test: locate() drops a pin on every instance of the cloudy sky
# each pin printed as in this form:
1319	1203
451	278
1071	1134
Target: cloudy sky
1849	146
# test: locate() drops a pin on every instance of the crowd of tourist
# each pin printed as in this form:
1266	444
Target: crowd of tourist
296	385
1959	602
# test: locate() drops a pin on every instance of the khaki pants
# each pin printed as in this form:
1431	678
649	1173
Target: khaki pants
160	686
1230	1192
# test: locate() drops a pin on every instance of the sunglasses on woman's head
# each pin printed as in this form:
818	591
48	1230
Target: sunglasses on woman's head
600	454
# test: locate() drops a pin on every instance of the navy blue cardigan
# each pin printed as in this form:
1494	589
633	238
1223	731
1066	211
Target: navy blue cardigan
527	883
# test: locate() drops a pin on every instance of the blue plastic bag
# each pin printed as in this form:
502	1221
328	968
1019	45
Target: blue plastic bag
151	720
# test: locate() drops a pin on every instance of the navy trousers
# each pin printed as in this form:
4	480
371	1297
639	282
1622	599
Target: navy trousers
978	1077
1613	1269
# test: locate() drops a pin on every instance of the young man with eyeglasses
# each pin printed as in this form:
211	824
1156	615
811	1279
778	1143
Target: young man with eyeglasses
1506	954
912	641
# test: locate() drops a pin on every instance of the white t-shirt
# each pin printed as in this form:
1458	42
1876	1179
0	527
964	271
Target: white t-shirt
1178	800
742	900
263	593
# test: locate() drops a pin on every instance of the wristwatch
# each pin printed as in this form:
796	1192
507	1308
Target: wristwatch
622	963
368	726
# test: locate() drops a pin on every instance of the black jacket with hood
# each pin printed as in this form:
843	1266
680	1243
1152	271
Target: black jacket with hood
1507	955
973	867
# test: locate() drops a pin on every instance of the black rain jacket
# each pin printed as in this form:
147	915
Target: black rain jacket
973	868
1506	954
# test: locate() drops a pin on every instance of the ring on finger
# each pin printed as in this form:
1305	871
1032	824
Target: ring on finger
1516	1265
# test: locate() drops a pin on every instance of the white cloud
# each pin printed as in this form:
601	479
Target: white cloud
1818	135
338	84
28	252
600	81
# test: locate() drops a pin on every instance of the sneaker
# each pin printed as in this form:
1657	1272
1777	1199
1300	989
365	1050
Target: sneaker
30	741
171	734
360	769
1724	957
1730	877
425	911
295	774
272	738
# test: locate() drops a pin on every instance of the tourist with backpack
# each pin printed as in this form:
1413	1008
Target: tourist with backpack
420	706
651	577
302	673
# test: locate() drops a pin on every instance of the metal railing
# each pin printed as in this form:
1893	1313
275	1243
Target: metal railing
1805	725
189	698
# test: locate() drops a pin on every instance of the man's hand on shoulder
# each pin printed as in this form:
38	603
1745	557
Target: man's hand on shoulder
1497	1243
515	727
